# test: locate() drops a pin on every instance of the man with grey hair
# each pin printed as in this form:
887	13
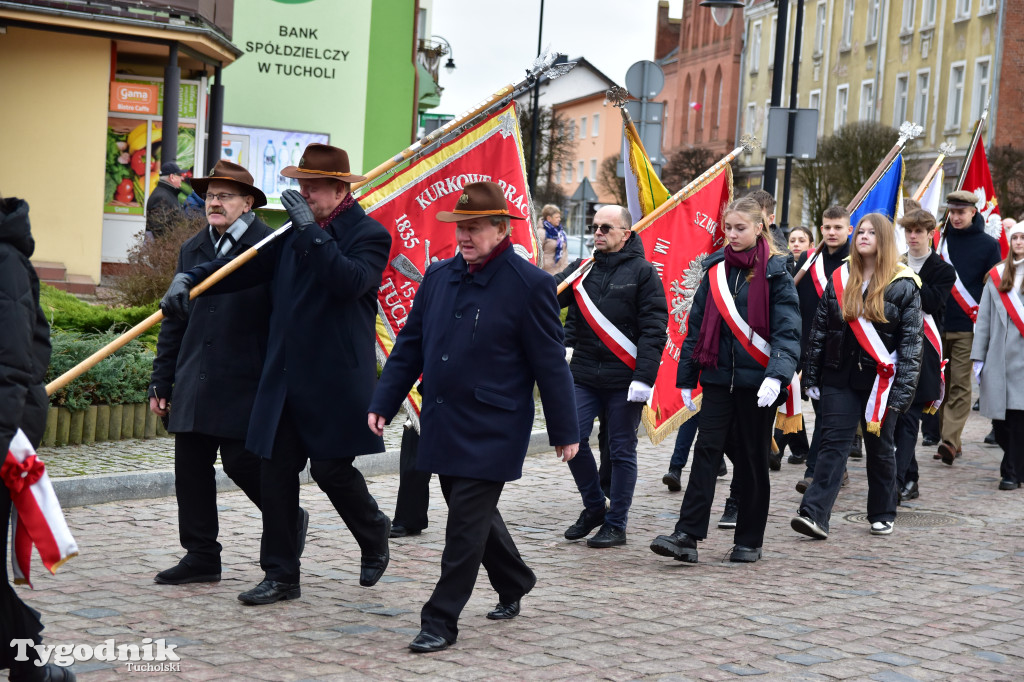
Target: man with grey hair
617	328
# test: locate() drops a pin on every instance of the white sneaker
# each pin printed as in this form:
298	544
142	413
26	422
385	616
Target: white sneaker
881	528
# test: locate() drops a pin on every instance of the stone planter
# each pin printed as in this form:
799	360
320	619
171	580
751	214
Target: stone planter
100	423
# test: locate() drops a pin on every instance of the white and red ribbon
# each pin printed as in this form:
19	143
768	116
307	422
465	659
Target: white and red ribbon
962	297
1010	299
751	341
931	334
37	518
885	362
610	335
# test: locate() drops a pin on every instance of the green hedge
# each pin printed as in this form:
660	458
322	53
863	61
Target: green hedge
67	313
121	379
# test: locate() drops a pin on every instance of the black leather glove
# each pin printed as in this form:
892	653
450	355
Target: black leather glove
298	209
175	301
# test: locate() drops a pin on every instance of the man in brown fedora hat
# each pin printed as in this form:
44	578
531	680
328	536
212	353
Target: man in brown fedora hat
320	366
211	377
484	329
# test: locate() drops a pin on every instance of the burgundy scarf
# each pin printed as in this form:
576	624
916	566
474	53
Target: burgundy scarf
706	351
348	202
495	252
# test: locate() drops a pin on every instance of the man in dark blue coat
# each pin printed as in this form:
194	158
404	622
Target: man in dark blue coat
483	330
320	369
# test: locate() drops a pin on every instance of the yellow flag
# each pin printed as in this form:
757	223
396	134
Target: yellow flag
644	191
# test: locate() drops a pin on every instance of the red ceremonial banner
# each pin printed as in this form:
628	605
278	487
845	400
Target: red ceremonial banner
978	179
676	244
408	203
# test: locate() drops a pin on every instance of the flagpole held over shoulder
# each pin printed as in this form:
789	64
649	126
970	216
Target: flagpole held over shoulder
945	149
908	131
746	143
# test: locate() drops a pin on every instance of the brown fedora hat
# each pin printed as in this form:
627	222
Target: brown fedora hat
231	172
478	199
322	161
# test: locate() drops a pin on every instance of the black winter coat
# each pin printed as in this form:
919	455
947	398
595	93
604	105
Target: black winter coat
736	367
320	355
973	253
835	358
627	290
808	292
937	278
162	208
25	351
212	361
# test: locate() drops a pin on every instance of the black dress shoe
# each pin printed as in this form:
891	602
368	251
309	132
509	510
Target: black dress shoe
504	611
990	439
183	574
722	469
303	527
270	591
797	459
679	546
673	480
400	531
587	522
745	555
427	642
608	536
856	450
775	460
929	442
50	672
909	491
372	566
1008	484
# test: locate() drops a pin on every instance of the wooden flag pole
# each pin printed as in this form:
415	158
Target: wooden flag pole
945	149
544	66
746	143
908	131
978	125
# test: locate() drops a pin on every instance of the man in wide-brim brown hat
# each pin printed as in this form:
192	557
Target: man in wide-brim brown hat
320	366
484	330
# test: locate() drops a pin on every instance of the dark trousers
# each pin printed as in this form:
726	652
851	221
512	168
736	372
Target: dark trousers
907	426
730	420
930	426
842	410
342	482
812	451
684	441
1010	437
797	441
195	486
413	485
18	620
622	419
475	535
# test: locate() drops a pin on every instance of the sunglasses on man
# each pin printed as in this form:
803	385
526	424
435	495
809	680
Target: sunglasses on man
603	229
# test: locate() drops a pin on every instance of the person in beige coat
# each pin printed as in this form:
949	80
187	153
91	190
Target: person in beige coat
998	357
552	239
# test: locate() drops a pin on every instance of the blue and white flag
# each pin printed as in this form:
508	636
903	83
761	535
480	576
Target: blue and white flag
886	196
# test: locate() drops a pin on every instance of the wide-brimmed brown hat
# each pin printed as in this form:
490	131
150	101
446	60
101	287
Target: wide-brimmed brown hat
962	199
322	161
478	199
231	172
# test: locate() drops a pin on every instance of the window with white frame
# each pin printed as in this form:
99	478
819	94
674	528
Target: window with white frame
963	10
924	77
568	173
595	125
751	118
764	119
583	172
771	42
955	97
583	127
867	100
899	107
814	102
873	15
980	86
593	170
755	47
819	29
558	174
842	101
928	13
847	38
986	6
908	16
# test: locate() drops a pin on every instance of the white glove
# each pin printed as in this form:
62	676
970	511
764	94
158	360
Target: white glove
687	394
768	392
813	392
639	392
978	364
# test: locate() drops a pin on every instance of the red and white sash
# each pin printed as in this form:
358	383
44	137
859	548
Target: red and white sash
885	362
1010	299
751	341
931	334
815	267
37	518
610	335
962	297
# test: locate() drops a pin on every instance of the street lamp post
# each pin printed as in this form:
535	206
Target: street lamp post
535	125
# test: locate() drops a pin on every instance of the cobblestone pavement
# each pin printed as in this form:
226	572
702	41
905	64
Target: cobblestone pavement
925	603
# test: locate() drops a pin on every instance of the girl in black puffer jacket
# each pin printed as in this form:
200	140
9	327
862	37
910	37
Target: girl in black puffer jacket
746	282
863	359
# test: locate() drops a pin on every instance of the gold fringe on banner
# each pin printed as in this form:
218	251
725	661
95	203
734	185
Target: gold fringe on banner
789	424
658	434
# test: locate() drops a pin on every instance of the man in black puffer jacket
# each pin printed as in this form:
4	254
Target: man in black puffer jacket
972	253
617	329
24	357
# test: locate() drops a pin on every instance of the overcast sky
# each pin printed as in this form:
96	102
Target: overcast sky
494	41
